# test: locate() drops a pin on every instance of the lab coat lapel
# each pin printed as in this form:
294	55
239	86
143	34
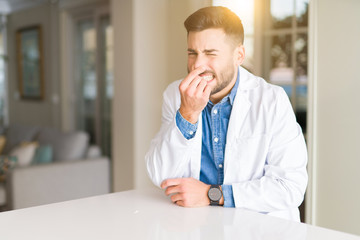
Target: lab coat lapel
241	104
239	111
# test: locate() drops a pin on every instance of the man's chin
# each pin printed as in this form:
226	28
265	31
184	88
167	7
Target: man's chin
214	91
218	88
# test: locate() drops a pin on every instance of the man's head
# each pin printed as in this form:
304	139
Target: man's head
215	37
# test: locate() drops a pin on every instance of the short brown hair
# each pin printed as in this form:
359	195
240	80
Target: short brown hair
216	17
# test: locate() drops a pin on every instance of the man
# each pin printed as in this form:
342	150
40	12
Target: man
227	137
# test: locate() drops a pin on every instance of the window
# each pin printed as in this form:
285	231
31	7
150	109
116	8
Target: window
285	50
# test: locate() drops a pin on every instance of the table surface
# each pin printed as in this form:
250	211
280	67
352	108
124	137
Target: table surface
150	215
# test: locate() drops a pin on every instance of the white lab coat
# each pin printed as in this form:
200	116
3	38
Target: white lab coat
265	153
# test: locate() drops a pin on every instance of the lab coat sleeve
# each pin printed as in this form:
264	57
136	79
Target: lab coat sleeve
284	181
169	152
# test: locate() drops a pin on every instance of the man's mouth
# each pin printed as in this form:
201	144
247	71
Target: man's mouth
207	76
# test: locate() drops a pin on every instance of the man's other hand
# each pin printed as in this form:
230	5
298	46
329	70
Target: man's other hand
187	192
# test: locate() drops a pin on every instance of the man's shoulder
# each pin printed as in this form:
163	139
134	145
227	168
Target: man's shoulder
174	86
269	86
260	88
253	82
171	94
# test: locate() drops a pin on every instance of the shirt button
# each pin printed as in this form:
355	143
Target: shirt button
220	166
215	111
216	139
191	132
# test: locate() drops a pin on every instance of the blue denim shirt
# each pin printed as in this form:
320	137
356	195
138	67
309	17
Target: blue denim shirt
215	121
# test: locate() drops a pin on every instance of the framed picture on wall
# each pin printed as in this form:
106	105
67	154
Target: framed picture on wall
30	63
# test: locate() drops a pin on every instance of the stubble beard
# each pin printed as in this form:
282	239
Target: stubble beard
223	80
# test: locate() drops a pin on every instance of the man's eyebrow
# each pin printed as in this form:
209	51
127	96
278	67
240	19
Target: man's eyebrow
204	51
210	50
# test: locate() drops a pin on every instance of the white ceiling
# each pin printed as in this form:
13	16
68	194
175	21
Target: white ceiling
9	6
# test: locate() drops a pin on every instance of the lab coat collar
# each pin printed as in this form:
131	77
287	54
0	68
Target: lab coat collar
248	80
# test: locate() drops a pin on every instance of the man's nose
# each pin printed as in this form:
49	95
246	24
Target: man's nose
200	61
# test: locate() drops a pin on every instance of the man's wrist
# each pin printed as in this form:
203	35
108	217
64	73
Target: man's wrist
191	117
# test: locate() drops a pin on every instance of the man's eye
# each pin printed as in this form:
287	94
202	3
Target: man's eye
191	53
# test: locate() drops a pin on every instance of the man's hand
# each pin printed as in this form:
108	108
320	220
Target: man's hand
194	95
187	192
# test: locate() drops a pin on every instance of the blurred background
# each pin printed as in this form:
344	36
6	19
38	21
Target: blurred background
103	65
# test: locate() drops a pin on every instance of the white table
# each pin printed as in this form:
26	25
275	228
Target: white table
150	215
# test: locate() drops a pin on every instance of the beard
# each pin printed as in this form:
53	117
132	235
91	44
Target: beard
224	78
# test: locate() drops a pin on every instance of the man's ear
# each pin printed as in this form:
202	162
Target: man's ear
239	54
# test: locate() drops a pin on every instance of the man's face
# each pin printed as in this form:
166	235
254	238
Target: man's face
213	49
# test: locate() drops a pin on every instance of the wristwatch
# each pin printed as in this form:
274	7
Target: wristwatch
214	195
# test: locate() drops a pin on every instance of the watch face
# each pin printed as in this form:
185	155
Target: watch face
214	194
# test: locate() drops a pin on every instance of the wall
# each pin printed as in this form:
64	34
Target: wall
123	103
176	35
140	78
31	112
336	153
150	75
